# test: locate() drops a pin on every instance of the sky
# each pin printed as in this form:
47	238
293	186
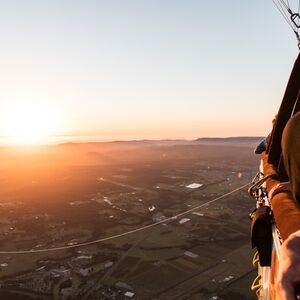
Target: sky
140	69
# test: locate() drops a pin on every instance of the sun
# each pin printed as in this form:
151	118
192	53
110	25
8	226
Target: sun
27	122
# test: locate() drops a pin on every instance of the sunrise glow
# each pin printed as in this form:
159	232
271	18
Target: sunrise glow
28	122
104	75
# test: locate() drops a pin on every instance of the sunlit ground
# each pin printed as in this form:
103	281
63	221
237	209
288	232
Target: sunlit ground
37	140
27	140
53	139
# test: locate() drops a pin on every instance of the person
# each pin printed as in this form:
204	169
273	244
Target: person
288	276
285	200
263	145
289	267
281	155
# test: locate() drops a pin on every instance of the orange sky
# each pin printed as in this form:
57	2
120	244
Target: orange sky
123	72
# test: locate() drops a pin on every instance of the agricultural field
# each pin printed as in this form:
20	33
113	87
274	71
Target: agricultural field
61	196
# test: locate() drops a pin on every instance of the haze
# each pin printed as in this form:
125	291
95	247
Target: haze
141	69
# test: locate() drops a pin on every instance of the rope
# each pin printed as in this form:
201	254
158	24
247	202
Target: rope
171	219
285	15
291	18
286	5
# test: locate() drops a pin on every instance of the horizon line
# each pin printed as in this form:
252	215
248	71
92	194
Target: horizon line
82	139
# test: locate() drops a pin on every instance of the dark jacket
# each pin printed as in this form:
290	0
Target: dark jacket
289	106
